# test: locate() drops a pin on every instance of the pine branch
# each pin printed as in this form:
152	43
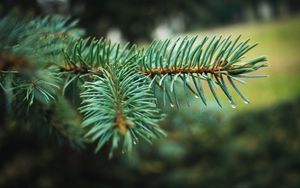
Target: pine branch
120	103
209	61
161	62
44	61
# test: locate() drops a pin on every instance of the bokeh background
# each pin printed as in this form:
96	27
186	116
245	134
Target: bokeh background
255	145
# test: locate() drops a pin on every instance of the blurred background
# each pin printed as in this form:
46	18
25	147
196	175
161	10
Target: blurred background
255	145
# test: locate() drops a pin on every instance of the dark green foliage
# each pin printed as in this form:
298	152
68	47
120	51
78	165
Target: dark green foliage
253	149
44	62
137	19
29	81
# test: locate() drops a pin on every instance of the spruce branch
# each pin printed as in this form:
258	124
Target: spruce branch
120	103
208	61
45	62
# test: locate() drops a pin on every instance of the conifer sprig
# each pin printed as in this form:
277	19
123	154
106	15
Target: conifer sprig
120	103
45	62
208	61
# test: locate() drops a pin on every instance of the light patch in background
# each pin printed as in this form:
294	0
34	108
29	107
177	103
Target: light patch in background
115	35
265	11
171	26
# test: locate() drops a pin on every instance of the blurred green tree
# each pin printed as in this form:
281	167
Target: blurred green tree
136	19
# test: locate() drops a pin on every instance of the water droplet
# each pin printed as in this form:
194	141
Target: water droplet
134	142
246	102
172	105
196	96
123	152
233	105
